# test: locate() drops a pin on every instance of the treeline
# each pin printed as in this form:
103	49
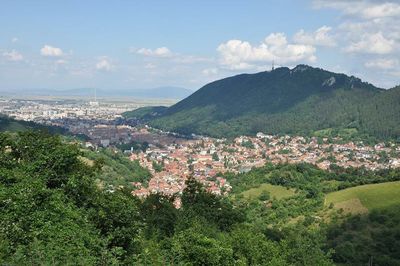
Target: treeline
306	176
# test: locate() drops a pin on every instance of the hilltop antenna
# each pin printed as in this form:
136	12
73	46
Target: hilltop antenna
273	65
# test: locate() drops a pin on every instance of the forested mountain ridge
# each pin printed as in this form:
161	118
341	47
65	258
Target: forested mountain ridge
301	100
271	91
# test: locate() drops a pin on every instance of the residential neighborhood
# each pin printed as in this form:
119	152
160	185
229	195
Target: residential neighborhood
206	159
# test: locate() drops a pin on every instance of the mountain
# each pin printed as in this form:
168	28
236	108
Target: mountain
152	93
301	100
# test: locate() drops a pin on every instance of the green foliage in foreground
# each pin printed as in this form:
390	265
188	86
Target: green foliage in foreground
362	238
52	213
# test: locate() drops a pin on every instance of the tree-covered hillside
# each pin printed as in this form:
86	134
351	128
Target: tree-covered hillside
12	125
117	170
380	116
145	113
294	101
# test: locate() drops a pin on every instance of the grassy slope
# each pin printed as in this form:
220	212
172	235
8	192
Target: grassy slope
367	197
278	192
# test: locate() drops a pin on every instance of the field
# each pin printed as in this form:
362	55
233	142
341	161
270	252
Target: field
330	132
362	199
278	192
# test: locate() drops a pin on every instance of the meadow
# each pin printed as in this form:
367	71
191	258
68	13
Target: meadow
278	192
366	198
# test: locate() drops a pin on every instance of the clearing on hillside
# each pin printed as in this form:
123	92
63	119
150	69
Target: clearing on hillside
278	192
365	198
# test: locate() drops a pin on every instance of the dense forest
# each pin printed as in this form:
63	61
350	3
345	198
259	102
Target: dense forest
53	212
301	100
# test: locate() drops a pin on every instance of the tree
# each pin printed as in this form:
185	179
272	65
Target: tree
216	209
41	221
215	157
264	196
51	210
194	248
253	248
159	214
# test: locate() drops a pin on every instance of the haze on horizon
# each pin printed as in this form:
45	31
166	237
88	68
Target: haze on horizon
136	45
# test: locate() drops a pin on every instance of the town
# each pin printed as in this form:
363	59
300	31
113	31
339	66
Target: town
206	159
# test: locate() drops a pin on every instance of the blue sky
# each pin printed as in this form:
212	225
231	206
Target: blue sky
144	44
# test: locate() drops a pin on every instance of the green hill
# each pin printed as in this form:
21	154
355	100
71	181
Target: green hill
145	113
366	198
12	125
294	101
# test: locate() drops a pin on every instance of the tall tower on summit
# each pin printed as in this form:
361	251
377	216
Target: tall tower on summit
273	65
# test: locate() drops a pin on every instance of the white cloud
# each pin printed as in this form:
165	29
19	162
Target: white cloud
321	37
374	43
14	40
370	31
241	55
13	55
104	64
382	10
366	9
61	62
190	59
150	66
368	26
51	51
158	52
382	63
276	39
210	71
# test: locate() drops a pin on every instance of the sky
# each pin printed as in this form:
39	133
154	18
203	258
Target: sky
145	44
